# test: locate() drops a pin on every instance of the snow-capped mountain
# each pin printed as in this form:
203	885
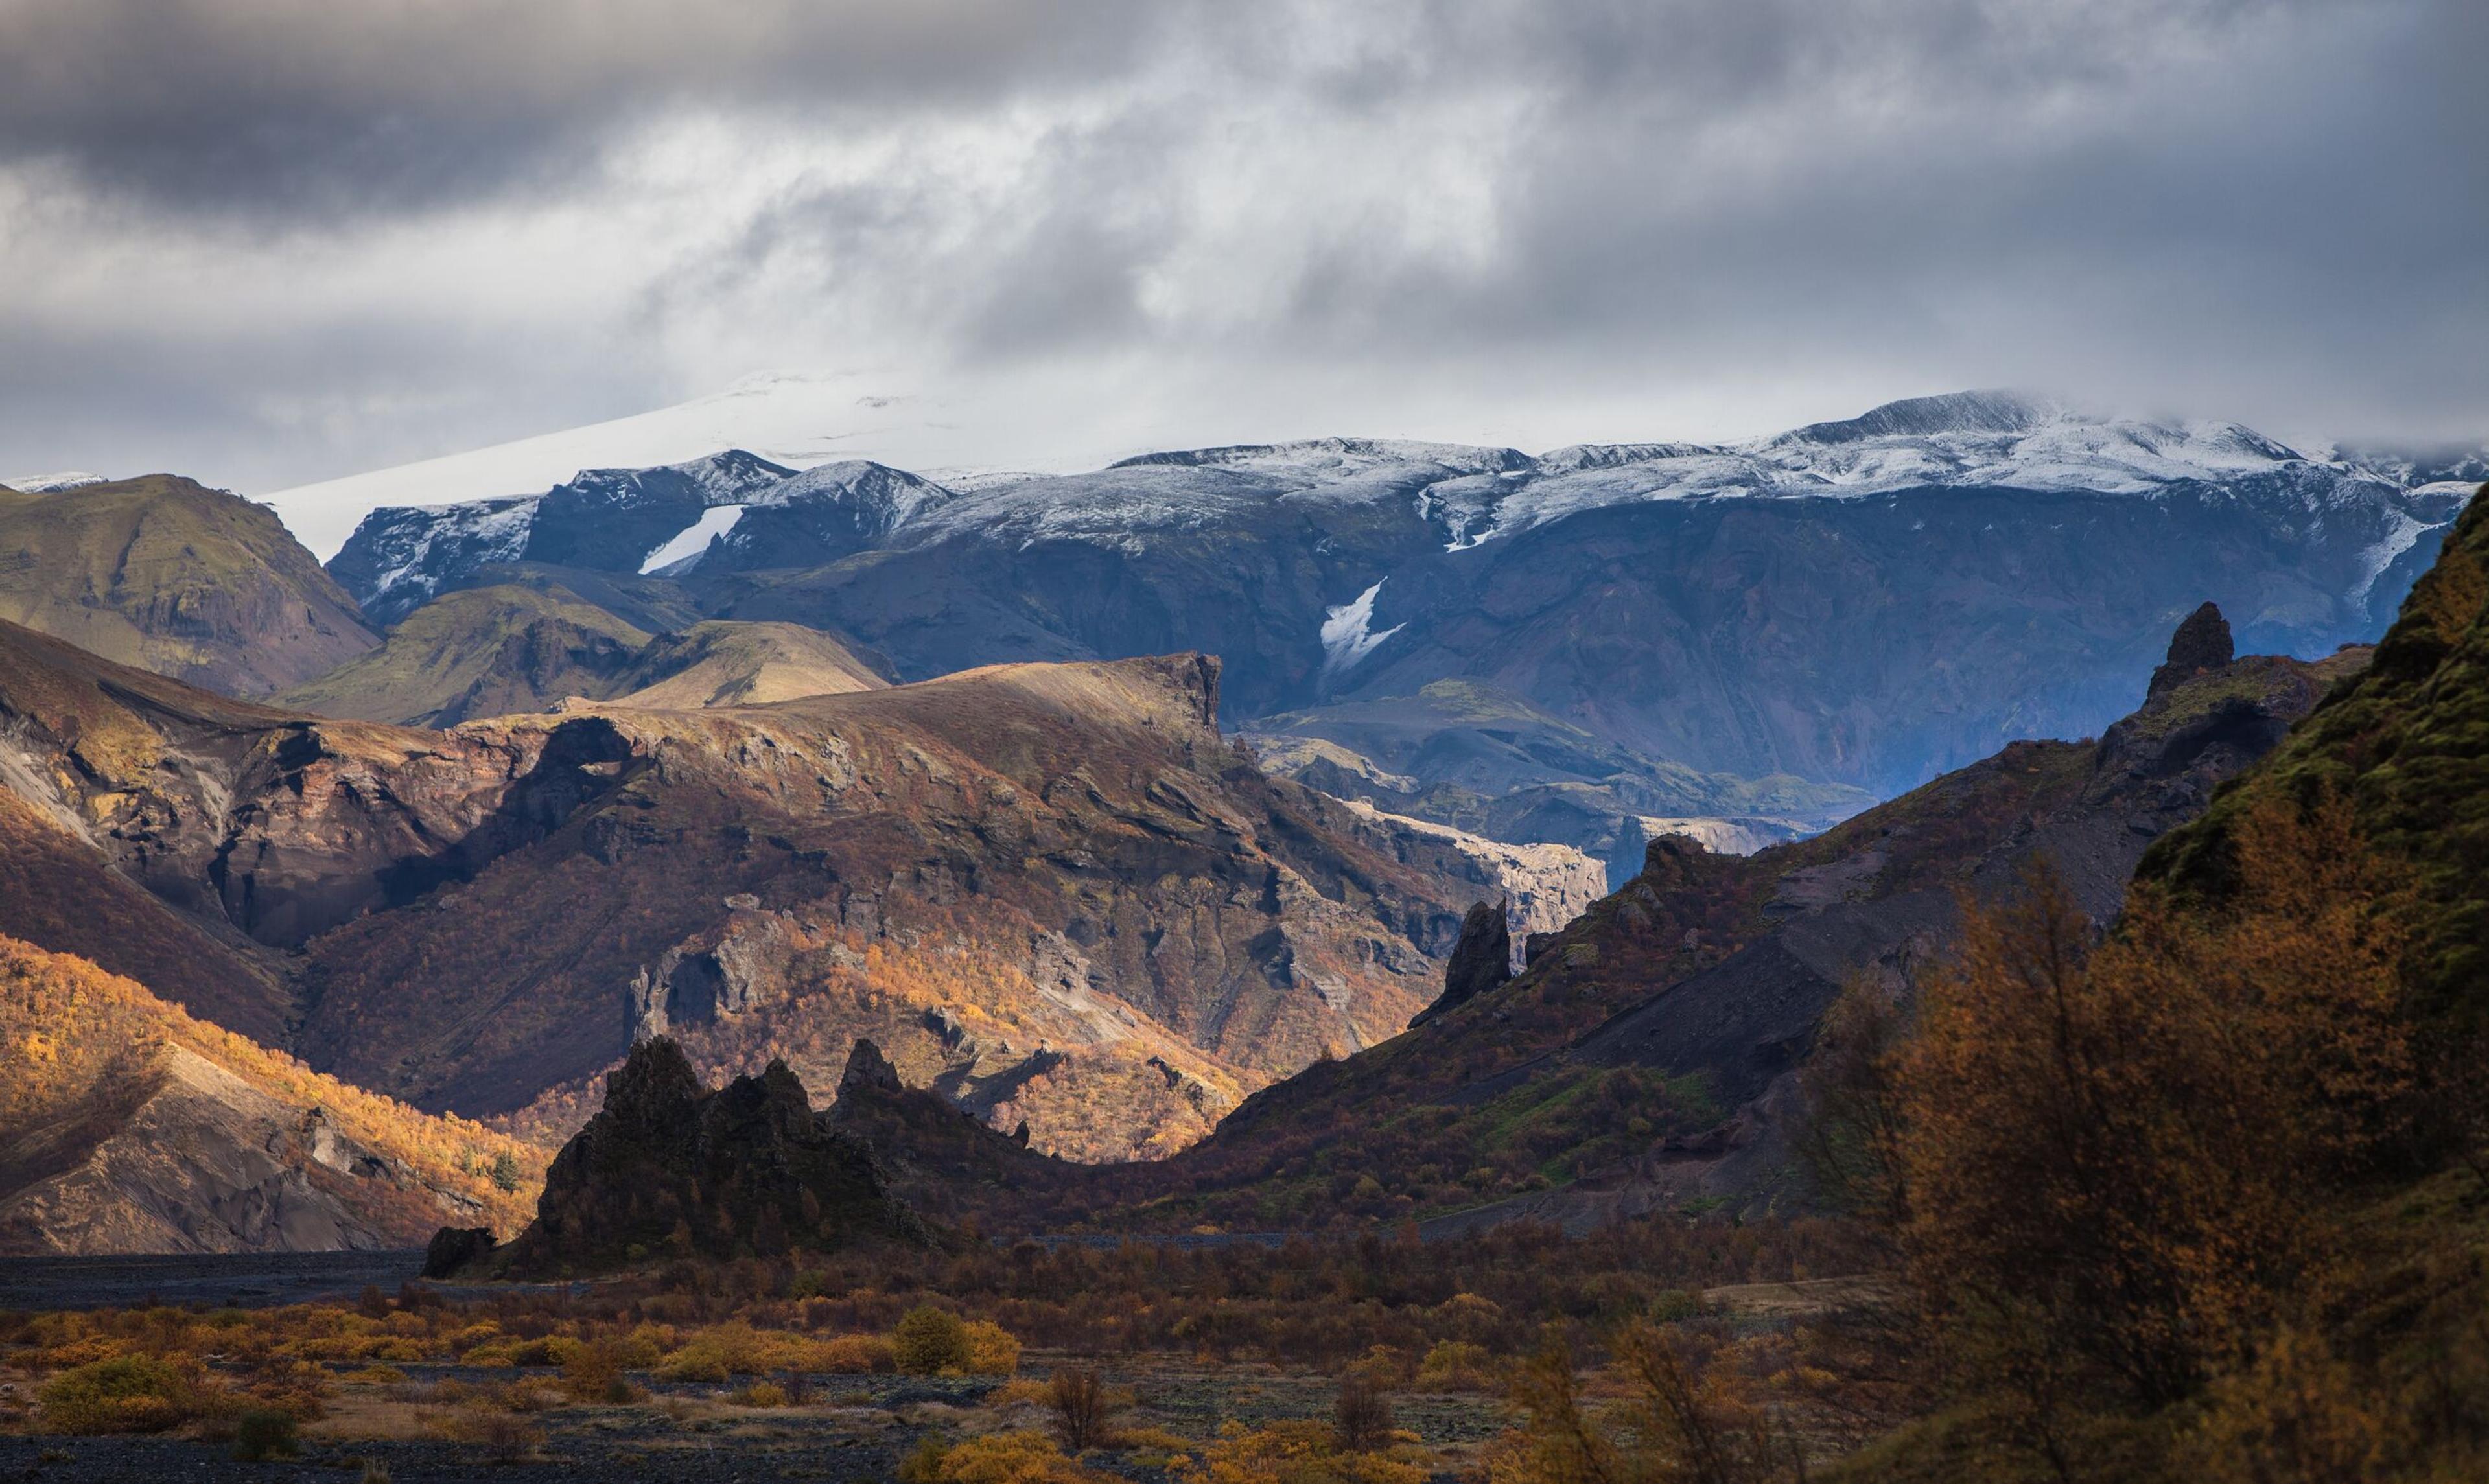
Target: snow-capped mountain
1996	564
794	419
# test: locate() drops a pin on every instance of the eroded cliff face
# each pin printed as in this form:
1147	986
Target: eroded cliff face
276	825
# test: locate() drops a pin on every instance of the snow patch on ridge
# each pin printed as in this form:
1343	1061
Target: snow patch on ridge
2373	561
691	543
53	484
1345	636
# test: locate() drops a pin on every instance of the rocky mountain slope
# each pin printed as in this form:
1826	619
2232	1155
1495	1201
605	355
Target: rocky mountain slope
1055	892
509	648
1865	602
131	1127
172	576
1052	891
2407	745
1646	1058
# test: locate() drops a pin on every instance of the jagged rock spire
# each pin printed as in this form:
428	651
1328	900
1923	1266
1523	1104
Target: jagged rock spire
1481	959
2201	644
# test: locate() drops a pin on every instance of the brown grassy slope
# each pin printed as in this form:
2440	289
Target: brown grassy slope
486	651
725	664
164	574
1054	890
2407	743
128	1124
509	648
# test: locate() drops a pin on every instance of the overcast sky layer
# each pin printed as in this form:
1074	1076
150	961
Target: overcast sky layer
265	242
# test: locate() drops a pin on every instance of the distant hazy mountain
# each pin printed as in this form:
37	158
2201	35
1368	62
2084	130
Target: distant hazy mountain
1863	603
170	576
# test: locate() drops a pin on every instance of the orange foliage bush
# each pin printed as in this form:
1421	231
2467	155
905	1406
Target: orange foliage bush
2108	1154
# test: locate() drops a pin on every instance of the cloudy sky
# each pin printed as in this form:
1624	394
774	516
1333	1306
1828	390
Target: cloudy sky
266	242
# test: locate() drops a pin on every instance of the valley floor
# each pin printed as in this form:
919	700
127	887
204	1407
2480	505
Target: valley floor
847	1428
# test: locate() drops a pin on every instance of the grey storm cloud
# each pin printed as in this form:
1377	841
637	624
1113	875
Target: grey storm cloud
302	106
281	239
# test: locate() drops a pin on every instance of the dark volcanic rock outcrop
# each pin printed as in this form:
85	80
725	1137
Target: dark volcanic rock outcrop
1480	960
941	1160
453	1248
670	1168
2201	644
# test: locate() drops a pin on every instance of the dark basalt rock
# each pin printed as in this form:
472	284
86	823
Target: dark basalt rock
1481	959
455	1248
2202	644
670	1168
939	1156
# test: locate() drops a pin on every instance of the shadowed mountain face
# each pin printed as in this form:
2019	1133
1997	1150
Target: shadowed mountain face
169	576
1865	603
1470	756
1054	893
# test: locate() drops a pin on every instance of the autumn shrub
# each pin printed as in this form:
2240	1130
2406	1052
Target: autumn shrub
1681	1418
533	1393
1301	1452
1361	1419
2108	1153
928	1341
124	1394
922	1463
1077	1395
761	1393
1010	1458
594	1374
990	1349
264	1434
715	1353
2299	1416
1455	1366
859	1354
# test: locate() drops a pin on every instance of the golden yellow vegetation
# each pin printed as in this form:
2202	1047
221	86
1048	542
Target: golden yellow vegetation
73	1031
